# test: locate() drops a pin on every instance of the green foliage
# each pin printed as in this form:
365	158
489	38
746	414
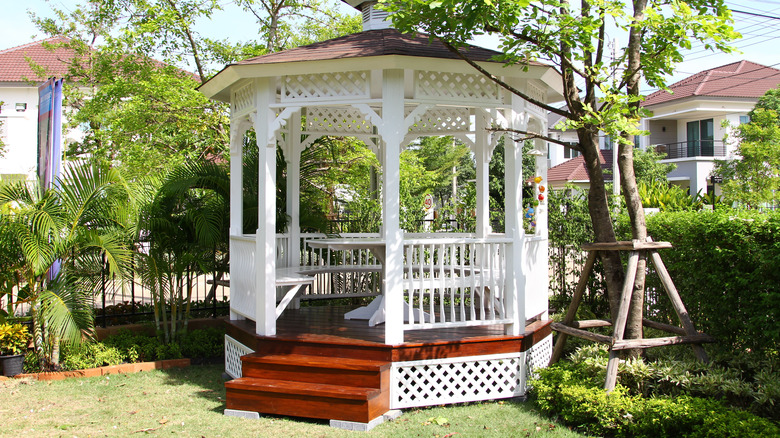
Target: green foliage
753	178
724	264
90	355
205	343
13	339
567	391
668	197
648	167
135	347
82	225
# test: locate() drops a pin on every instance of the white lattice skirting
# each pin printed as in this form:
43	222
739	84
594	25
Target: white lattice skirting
457	380
233	352
539	355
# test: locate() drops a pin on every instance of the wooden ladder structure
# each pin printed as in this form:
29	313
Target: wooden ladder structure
569	327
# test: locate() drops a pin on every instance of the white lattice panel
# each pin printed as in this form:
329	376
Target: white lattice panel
233	352
337	120
438	120
243	100
326	86
242	276
455	86
456	380
539	355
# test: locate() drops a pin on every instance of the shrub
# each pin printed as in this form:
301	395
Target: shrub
90	355
204	344
566	392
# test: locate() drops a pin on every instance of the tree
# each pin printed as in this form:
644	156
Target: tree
753	178
128	88
186	226
573	38
64	236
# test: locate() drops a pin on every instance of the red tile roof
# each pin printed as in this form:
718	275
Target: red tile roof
575	170
15	68
739	79
371	43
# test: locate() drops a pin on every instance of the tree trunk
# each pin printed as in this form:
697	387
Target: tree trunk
628	179
598	207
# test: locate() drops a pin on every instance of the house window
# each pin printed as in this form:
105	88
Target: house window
608	143
701	135
570	153
744	119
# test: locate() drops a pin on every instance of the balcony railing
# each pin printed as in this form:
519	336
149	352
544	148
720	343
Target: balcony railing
692	148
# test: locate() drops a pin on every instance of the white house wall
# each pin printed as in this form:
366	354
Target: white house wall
20	130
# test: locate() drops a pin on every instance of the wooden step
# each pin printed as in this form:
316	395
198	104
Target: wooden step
318	369
305	399
313	345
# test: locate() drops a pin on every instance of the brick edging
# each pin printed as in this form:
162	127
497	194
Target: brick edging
126	368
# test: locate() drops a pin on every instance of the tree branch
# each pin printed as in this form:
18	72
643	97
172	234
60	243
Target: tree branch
503	84
533	135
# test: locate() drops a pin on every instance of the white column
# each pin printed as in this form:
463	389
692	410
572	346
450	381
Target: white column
482	155
392	136
237	130
265	251
294	191
513	210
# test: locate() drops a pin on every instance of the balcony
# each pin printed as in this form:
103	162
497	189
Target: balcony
692	148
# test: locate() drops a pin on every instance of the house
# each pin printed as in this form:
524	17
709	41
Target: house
691	121
452	317
573	171
19	94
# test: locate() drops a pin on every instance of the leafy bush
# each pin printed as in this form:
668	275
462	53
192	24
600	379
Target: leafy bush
90	355
138	347
568	391
755	387
204	344
724	264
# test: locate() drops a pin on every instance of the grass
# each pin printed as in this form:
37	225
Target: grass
190	401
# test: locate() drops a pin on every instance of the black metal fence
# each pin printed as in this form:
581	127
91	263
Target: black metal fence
128	301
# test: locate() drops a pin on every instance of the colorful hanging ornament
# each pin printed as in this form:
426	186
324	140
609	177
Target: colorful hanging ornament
541	197
541	189
538	179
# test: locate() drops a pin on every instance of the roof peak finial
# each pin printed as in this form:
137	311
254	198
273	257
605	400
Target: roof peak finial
373	17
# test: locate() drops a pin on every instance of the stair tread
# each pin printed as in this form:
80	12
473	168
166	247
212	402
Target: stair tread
341	363
302	388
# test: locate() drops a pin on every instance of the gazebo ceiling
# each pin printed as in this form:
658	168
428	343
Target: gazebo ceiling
376	49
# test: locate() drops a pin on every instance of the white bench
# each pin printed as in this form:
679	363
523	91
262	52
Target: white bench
296	278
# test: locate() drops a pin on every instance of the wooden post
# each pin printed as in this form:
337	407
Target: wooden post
237	129
265	249
513	220
622	317
571	313
392	132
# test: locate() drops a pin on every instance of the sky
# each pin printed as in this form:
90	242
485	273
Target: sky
757	20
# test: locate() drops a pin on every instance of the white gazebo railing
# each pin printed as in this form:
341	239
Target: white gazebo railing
455	282
447	281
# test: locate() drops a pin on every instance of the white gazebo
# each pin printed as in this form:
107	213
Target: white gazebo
457	317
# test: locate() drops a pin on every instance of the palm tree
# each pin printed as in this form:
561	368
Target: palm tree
64	236
186	224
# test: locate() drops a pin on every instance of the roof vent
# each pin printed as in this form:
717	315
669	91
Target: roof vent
374	18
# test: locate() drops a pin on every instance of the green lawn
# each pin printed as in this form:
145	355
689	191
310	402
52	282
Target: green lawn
189	402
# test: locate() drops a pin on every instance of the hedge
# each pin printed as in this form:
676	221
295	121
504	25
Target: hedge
726	266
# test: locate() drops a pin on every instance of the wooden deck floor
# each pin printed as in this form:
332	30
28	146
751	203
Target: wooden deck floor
326	324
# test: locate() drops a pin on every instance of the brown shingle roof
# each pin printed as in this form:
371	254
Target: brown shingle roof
738	79
371	43
15	68
575	170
